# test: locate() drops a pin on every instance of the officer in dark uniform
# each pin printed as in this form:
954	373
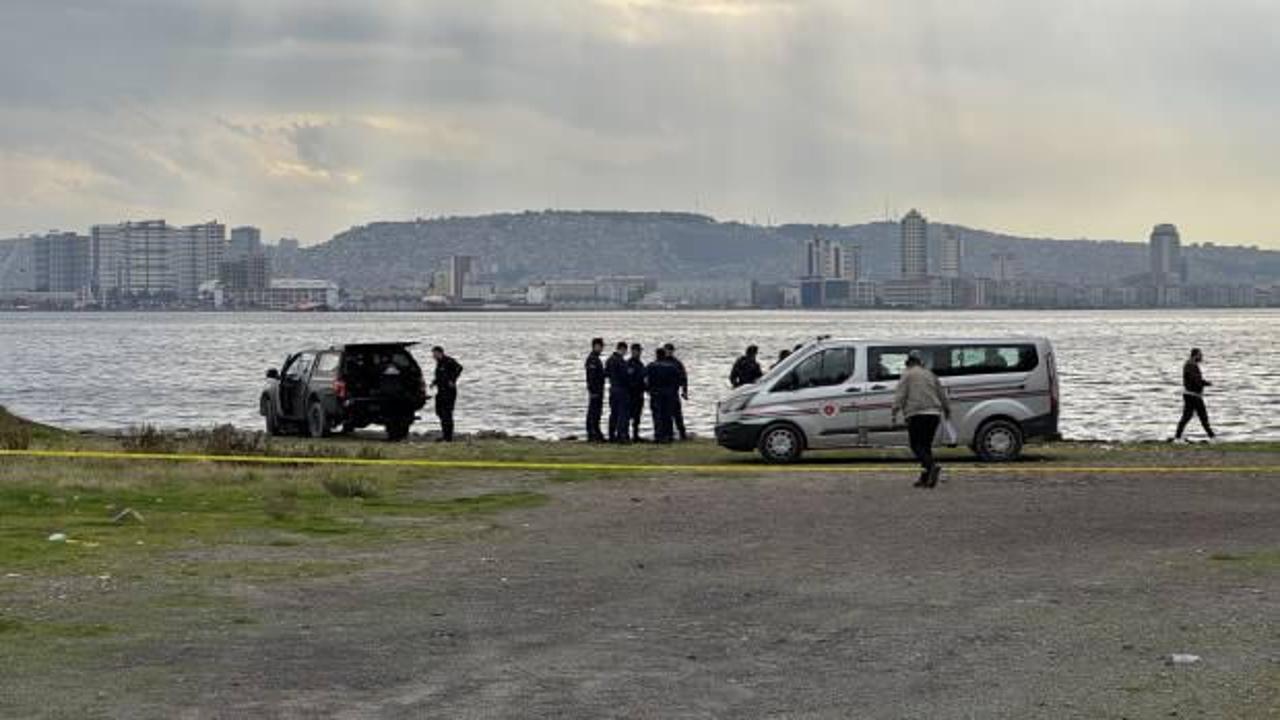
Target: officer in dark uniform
746	370
445	382
663	380
619	394
635	369
595	391
677	407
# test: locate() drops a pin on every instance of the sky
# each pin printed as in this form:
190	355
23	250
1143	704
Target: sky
1089	118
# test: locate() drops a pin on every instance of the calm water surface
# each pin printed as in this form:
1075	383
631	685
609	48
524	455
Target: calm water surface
1121	371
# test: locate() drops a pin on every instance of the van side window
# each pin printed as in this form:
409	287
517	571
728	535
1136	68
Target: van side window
822	369
887	363
988	359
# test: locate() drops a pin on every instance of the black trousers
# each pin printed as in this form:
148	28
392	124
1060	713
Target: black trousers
677	416
595	410
1193	405
445	402
619	409
637	411
660	406
921	430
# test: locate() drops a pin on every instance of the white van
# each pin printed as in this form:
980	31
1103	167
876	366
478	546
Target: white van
839	394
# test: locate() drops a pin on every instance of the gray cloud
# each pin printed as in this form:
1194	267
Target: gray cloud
306	116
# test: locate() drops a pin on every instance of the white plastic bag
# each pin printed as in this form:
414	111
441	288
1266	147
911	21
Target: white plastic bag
948	432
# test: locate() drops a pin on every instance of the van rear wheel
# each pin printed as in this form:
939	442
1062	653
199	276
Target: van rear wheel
998	441
781	444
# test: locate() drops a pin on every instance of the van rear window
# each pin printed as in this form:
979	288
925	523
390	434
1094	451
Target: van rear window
887	363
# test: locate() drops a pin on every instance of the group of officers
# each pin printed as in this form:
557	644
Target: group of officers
629	379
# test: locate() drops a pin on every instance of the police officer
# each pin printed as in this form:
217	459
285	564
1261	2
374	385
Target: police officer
595	391
677	407
445	382
663	380
635	370
619	394
747	369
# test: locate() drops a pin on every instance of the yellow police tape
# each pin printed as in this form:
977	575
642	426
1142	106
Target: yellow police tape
1010	468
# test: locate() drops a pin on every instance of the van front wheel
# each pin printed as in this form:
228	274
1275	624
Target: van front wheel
998	441
781	444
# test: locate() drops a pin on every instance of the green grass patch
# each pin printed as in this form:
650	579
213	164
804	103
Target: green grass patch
1262	560
54	630
189	506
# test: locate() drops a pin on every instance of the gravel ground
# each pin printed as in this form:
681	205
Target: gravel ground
788	596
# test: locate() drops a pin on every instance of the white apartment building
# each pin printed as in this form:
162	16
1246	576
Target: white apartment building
151	257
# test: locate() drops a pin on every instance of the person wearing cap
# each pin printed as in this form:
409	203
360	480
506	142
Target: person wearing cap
595	390
1193	385
922	400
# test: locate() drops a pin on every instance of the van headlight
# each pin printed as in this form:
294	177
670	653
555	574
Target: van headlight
737	404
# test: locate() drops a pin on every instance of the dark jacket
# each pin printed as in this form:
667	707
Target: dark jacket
683	379
1193	381
635	375
745	371
595	374
616	370
662	377
447	373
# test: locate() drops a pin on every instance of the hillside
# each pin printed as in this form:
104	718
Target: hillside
516	248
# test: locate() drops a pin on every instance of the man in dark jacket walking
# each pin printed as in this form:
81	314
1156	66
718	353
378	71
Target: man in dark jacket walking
445	382
663	380
635	370
1193	385
619	394
677	407
747	369
595	391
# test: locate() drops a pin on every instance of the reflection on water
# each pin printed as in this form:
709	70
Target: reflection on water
1120	371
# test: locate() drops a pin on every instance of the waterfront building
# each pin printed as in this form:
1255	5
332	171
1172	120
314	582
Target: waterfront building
914	229
950	260
245	240
1168	268
460	269
151	258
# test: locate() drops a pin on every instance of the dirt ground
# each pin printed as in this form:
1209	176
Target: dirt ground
815	595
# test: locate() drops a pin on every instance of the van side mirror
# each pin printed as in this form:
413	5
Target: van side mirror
273	374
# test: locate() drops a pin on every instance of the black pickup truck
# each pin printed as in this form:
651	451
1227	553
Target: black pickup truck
345	387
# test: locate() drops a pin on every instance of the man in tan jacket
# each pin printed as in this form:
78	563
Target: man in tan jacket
922	400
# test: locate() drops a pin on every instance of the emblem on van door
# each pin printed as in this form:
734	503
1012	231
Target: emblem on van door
829	410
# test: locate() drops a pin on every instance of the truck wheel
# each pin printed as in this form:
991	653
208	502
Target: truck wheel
781	444
317	422
998	441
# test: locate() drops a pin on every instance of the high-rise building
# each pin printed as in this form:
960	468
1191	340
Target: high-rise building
460	269
55	262
245	240
151	257
950	261
245	272
1004	267
825	259
853	262
915	245
1166	256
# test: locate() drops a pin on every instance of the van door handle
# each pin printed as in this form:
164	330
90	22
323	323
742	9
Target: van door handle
877	387
854	390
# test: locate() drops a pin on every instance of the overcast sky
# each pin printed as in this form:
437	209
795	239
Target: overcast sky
1065	119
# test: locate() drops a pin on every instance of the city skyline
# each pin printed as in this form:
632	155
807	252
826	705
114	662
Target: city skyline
307	119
